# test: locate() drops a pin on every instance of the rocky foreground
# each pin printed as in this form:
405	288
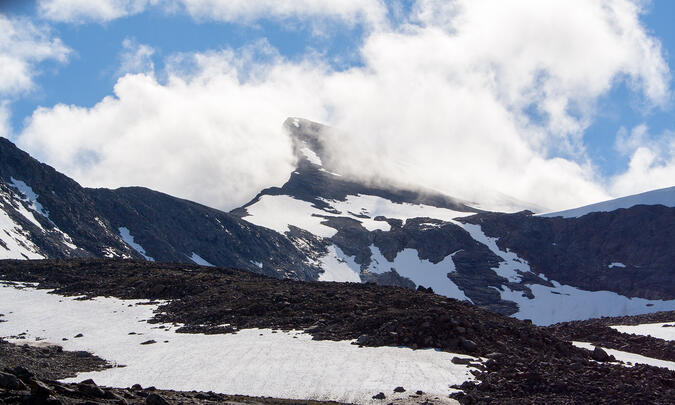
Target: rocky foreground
523	363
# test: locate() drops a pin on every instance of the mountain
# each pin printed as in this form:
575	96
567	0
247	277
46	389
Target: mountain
663	196
45	214
547	269
322	226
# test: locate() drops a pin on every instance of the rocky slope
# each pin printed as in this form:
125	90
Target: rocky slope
519	362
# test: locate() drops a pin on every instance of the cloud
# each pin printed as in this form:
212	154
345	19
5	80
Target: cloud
209	136
22	46
82	11
478	99
136	58
372	12
652	161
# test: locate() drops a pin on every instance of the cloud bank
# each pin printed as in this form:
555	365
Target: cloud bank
474	98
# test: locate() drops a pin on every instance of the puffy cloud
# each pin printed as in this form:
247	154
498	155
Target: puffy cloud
22	46
652	161
209	137
479	99
136	58
81	11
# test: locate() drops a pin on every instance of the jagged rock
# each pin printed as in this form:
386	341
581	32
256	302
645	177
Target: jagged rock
600	355
379	396
149	342
10	382
155	399
399	389
39	389
89	388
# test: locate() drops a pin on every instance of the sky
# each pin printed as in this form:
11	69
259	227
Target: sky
520	104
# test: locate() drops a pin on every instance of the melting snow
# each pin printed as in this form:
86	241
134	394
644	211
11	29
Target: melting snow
129	240
422	272
616	264
507	268
630	358
251	362
338	266
278	211
259	264
199	260
655	330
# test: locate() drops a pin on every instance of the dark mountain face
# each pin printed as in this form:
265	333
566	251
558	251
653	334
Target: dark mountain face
72	221
323	226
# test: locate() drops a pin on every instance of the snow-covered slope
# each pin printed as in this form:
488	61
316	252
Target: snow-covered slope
663	196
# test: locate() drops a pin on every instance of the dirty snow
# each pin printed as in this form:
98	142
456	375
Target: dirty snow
338	266
129	240
655	330
199	260
630	359
251	362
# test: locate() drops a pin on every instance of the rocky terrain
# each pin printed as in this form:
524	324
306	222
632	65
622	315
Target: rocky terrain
522	363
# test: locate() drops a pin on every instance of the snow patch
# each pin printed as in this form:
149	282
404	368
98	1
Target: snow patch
338	266
630	359
616	264
421	272
277	212
258	264
655	330
562	303
511	263
199	260
27	191
251	362
129	240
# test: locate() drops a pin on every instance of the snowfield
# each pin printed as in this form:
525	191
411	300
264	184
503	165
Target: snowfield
655	330
251	362
630	359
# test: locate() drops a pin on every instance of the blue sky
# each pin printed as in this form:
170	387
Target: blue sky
339	45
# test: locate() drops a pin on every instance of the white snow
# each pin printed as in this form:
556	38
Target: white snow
664	196
338	266
296	122
374	206
278	211
251	362
421	272
16	243
199	260
259	264
565	303
311	156
655	330
27	191
129	240
630	359
616	264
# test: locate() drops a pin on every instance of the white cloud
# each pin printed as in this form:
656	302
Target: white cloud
136	58
444	100
81	11
5	131
652	161
22	46
372	12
